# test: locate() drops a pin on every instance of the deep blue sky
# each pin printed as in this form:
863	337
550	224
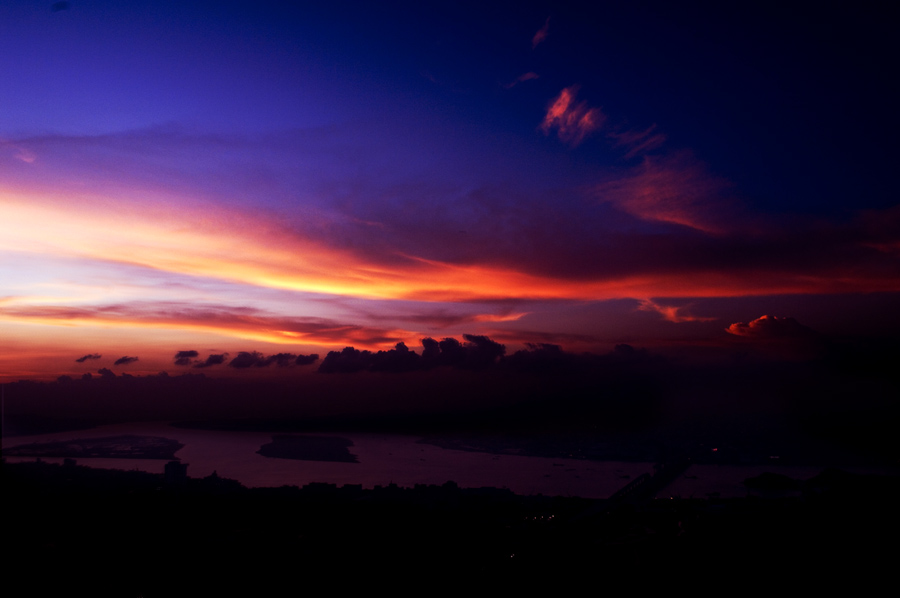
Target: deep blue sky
793	104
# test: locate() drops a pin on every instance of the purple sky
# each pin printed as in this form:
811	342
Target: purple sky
235	176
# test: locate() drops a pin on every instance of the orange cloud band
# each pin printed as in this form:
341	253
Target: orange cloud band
227	245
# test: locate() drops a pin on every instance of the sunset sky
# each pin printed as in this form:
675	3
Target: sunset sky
221	177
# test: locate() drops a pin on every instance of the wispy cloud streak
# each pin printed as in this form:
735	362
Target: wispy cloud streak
541	34
521	79
675	189
246	323
638	142
671	313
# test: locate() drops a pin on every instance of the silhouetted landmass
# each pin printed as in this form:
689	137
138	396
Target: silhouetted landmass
836	407
309	448
114	533
586	446
127	446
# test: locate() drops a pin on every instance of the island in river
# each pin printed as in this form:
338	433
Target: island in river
309	448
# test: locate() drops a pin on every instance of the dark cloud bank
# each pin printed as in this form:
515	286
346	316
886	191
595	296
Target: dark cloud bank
215	359
481	354
244	359
185	357
282	360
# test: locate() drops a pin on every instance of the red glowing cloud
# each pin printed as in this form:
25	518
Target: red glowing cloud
572	120
771	327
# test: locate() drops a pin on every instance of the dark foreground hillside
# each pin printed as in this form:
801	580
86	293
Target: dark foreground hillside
71	529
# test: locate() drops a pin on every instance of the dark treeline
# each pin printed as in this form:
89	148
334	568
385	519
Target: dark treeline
121	533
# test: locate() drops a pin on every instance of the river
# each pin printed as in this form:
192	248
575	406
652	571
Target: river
403	460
